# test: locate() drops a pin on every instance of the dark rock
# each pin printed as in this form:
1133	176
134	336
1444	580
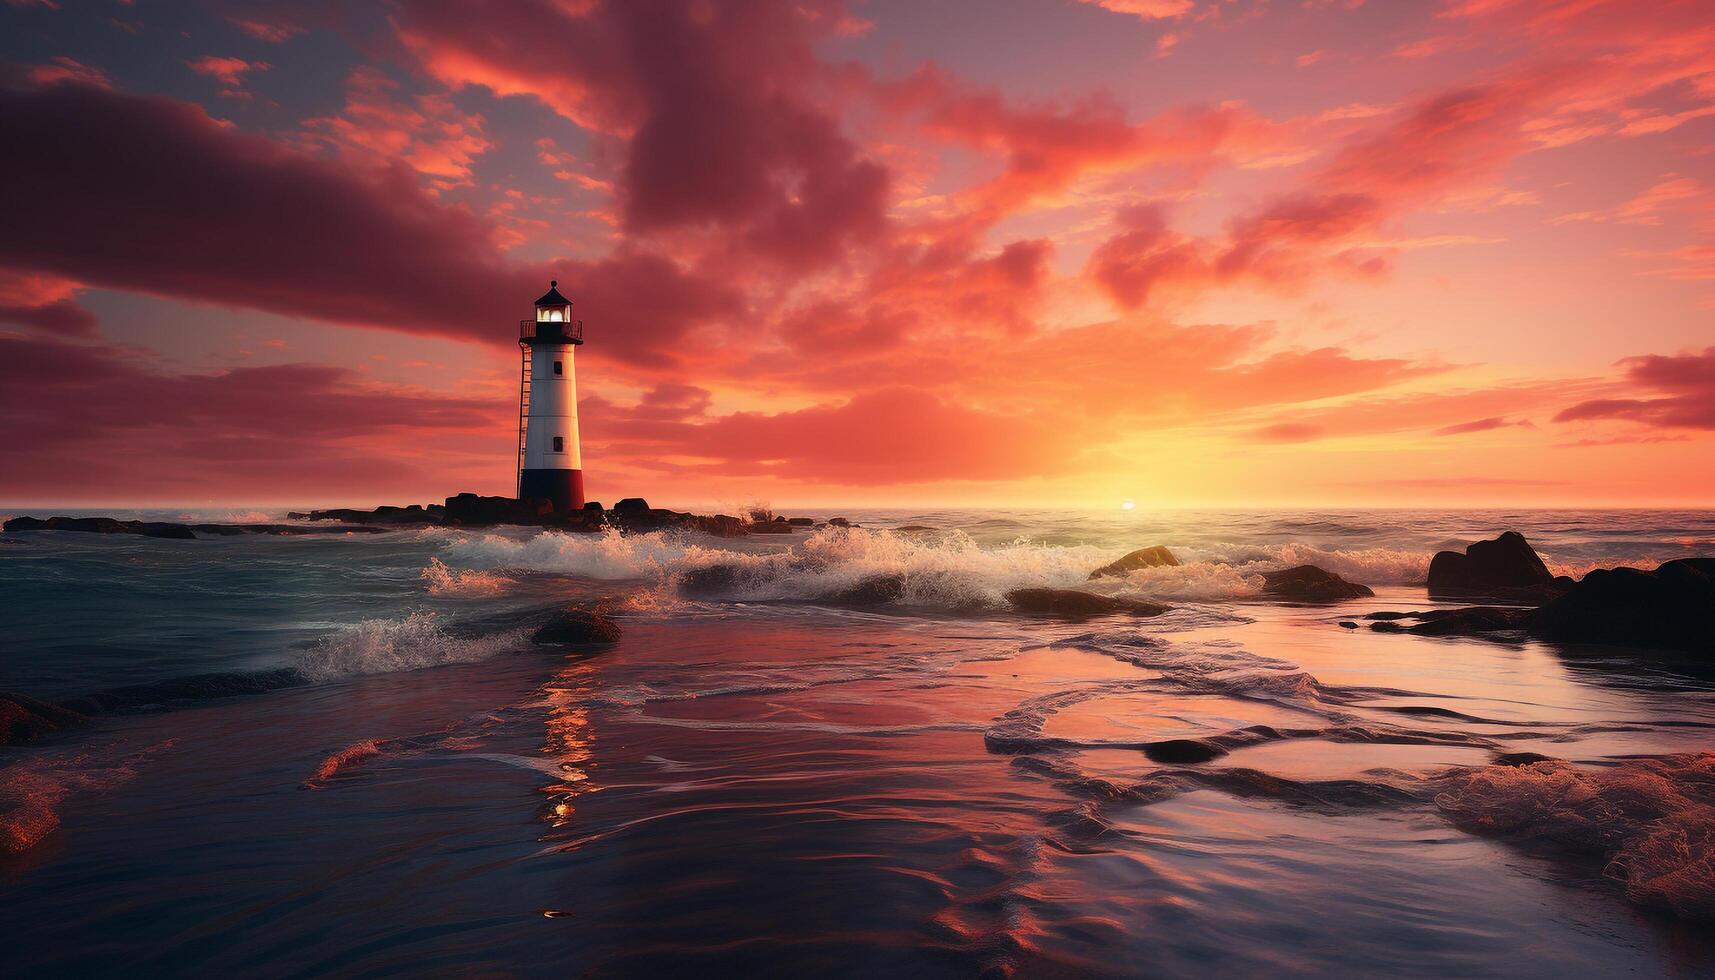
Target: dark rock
414	514
102	525
1154	557
469	508
1307	583
839	522
1507	562
1072	604
779	520
578	626
771	527
1182	750
25	719
720	525
1672	608
802	521
710	580
876	590
189	688
593	505
1347	624
631	505
1469	621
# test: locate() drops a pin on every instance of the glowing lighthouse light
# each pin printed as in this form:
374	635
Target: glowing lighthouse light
549	464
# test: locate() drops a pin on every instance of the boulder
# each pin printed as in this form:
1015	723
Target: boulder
877	590
593	505
720	525
710	580
1307	583
25	719
839	522
1488	567
802	521
577	626
1154	557
1073	604
631	505
1672	608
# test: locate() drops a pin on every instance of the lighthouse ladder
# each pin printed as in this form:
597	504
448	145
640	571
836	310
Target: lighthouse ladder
523	416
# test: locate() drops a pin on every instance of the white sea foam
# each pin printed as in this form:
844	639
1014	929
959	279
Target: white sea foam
946	570
381	646
444	581
609	555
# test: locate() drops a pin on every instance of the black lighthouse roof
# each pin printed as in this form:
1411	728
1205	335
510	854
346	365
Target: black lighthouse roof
552	297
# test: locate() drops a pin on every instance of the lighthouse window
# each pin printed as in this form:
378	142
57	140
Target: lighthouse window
559	367
559	444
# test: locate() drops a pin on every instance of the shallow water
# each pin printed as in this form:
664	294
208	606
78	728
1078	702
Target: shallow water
763	782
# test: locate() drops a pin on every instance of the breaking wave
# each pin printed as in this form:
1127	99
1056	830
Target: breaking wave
381	646
1652	820
863	566
469	583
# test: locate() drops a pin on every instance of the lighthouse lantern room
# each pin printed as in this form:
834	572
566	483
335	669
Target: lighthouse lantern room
549	464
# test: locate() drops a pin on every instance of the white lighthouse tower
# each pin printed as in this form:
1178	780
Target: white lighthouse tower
549	464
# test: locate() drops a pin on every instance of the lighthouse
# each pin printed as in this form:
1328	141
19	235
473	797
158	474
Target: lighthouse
549	464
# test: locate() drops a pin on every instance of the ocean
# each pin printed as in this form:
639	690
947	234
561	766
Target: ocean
341	754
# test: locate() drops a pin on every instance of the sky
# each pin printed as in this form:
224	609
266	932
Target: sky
1187	253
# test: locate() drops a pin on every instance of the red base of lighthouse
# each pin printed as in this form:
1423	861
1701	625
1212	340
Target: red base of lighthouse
564	487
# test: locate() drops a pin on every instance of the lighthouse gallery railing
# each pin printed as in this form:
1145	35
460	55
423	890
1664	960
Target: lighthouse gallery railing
564	331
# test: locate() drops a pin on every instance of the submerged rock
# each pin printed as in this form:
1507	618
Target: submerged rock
1672	607
1489	567
1153	557
1472	621
1073	604
577	626
1307	583
1183	750
25	719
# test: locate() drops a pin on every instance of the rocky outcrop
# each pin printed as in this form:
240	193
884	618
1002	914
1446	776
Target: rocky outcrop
801	521
470	508
577	626
1307	583
25	719
1473	621
631	505
1508	564
1671	608
102	525
414	514
1154	557
1073	604
183	532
